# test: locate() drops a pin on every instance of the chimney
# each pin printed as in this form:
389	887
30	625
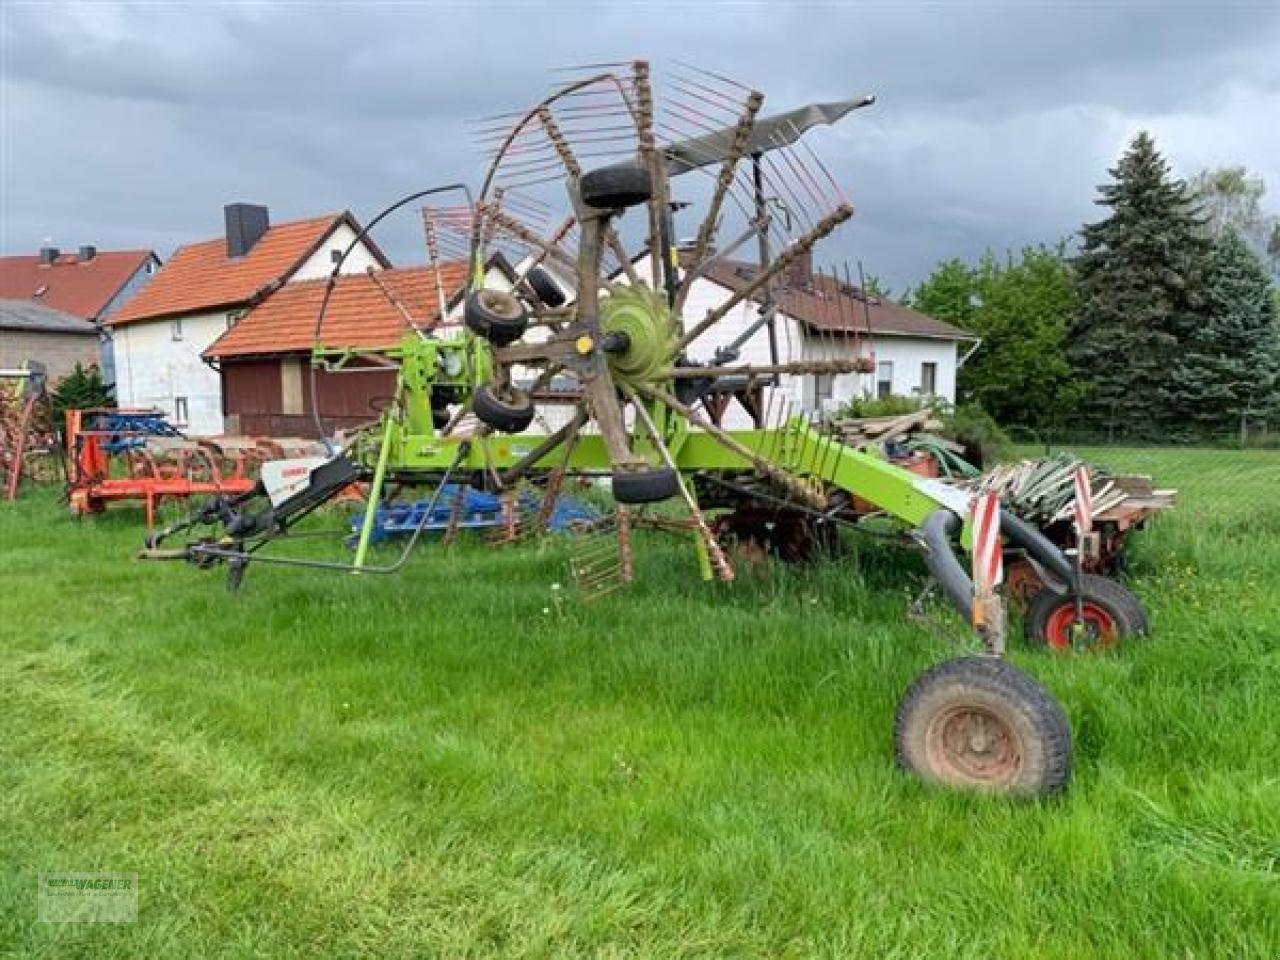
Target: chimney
799	273
246	223
87	252
48	256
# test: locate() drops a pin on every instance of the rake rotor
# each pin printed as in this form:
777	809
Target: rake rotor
579	200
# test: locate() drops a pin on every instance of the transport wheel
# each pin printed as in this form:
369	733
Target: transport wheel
545	287
508	416
645	486
1110	613
614	187
980	723
495	315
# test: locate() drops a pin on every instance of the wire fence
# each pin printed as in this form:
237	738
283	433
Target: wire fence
1210	474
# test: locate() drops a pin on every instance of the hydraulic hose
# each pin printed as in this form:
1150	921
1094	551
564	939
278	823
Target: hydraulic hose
937	534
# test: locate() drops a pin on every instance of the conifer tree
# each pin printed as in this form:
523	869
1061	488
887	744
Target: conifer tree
1140	281
1232	363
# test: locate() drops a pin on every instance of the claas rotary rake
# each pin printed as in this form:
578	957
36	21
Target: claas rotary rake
583	346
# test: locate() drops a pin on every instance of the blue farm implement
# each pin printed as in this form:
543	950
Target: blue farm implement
464	508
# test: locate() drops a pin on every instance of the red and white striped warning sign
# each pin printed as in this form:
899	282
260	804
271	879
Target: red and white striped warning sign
1084	501
988	563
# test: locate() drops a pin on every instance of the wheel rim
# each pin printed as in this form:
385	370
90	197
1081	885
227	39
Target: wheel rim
500	304
1096	631
973	745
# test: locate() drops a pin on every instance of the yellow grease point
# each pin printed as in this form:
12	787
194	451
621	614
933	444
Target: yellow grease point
584	345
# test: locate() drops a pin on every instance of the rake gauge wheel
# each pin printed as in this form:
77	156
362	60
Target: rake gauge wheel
616	187
495	315
1109	614
980	723
508	416
645	486
545	287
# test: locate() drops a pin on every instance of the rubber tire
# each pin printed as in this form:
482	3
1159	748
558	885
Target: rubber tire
615	187
1028	710
648	486
502	416
1125	610
495	315
545	288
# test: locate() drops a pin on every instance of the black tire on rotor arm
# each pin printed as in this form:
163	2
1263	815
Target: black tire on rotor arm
495	315
615	187
980	723
645	486
545	288
511	416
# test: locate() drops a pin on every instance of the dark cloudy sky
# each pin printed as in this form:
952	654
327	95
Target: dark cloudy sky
131	124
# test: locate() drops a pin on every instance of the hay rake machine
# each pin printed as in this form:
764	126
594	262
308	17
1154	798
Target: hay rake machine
594	353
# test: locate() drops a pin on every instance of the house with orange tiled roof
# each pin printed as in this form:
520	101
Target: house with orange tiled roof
89	284
268	385
817	316
204	290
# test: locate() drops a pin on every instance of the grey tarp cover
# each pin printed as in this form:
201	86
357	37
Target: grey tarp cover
768	134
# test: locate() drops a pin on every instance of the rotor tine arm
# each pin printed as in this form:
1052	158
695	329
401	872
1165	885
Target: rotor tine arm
392	299
552	250
718	560
794	368
643	113
798	249
433	258
762	466
568	432
574	172
741	135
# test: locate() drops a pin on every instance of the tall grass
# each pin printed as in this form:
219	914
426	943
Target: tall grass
464	761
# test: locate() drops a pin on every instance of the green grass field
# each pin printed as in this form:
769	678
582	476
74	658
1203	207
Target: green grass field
462	761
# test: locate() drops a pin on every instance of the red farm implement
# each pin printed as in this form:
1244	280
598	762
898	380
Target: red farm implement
137	455
26	428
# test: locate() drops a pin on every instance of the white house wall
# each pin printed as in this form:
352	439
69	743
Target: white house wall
320	264
795	342
154	370
908	355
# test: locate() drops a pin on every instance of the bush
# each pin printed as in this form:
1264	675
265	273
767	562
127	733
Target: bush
82	389
890	406
984	441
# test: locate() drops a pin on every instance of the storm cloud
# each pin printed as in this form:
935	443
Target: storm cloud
130	125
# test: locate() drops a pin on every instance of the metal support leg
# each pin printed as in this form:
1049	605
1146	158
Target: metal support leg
375	493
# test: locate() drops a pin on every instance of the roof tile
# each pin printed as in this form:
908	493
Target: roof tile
79	287
827	306
359	314
200	276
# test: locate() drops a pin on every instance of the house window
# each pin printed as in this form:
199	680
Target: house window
884	378
335	255
929	379
823	389
175	329
180	411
